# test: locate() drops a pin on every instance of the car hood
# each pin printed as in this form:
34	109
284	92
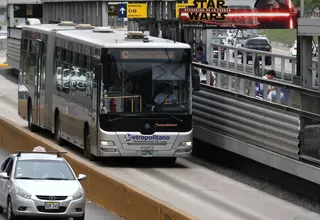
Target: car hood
49	187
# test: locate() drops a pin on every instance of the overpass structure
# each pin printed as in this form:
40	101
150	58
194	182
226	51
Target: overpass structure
282	132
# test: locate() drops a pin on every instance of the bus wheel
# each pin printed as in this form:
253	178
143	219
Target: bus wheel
57	131
87	146
31	126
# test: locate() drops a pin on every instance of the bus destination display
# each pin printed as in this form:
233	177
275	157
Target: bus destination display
147	55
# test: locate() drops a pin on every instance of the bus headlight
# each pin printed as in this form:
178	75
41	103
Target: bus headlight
186	144
107	144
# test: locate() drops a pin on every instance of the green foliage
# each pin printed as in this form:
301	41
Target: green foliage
308	4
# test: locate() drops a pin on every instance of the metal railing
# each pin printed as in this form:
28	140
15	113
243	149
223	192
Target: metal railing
13	48
3	43
236	58
273	120
14	32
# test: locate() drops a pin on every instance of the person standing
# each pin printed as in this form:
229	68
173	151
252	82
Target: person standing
200	55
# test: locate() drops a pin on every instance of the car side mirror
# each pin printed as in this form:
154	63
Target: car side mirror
4	175
81	177
196	82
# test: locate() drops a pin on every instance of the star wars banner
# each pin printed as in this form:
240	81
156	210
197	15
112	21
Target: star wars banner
239	14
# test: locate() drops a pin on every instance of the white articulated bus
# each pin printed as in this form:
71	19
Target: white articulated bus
110	92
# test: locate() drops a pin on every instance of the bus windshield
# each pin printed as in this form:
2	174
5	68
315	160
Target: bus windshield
143	80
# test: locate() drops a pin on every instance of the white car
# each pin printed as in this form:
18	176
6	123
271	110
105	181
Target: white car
293	49
41	184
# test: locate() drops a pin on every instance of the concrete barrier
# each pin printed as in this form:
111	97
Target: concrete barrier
107	191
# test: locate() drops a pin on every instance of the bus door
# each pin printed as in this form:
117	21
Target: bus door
39	90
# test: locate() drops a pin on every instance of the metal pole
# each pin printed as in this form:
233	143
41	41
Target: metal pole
301	8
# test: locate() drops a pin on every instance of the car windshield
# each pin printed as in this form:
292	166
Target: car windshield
43	169
135	80
257	42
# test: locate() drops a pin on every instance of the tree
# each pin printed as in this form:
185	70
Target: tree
308	4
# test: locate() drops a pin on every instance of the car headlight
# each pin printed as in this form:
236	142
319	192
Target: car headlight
24	194
79	194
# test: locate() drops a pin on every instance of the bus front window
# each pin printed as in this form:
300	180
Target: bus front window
147	85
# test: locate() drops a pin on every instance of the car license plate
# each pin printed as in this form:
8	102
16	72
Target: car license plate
51	205
147	150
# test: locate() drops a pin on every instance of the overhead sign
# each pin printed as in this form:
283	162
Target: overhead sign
122	10
255	14
185	5
112	10
147	55
180	6
137	10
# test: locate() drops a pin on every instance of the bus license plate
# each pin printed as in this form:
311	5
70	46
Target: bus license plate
147	150
51	205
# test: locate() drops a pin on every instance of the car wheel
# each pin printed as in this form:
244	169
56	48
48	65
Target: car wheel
80	218
10	215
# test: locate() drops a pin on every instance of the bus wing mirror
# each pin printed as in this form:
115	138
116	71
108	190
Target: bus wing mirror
196	82
98	71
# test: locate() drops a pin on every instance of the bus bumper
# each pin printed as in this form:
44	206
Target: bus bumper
114	144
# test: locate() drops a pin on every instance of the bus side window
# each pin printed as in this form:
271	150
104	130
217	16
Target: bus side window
88	77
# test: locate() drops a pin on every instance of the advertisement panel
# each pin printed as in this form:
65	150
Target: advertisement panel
240	14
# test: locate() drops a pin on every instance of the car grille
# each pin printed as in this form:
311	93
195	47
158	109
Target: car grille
42	209
52	197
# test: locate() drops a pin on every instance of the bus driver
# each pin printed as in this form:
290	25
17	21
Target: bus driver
166	97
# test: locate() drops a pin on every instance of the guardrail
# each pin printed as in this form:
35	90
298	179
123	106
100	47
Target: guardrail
236	58
14	32
240	106
13	50
3	43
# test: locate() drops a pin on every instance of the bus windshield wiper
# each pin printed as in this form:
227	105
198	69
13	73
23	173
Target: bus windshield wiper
174	117
118	118
124	116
